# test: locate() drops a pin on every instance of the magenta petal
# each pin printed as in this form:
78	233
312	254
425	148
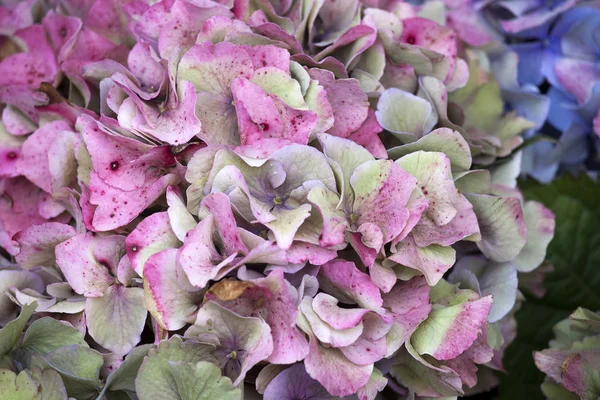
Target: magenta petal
19	200
31	68
262	116
367	136
343	278
349	103
334	371
198	256
300	253
117	207
465	328
171	305
185	22
87	261
409	303
433	262
119	161
219	206
150	236
37	243
325	306
365	352
10	156
269	56
383	201
60	29
34	160
145	65
428	34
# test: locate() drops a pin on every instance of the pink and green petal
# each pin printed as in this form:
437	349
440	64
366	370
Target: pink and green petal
169	304
334	371
449	331
326	333
502	226
432	261
152	235
343	280
116	320
540	231
37	243
89	261
242	342
382	190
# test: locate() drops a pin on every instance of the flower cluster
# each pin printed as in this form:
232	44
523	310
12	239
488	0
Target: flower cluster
306	199
545	55
572	364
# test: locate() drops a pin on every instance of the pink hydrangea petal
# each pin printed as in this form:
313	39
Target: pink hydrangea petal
171	305
33	67
300	252
18	209
326	334
382	190
274	299
198	256
87	260
37	243
342	277
325	306
114	157
360	37
349	103
34	160
409	304
269	56
152	235
9	156
366	352
450	331
426	33
469	25
334	371
16	16
116	207
60	28
432	261
367	136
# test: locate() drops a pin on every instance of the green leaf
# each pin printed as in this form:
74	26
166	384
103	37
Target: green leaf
575	282
79	367
10	334
202	381
157	380
32	385
52	386
46	335
124	377
17	387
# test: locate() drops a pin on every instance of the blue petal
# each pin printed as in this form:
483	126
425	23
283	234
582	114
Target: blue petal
531	56
529	104
563	110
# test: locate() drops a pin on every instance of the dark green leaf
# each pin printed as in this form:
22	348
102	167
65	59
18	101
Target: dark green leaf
10	334
575	254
